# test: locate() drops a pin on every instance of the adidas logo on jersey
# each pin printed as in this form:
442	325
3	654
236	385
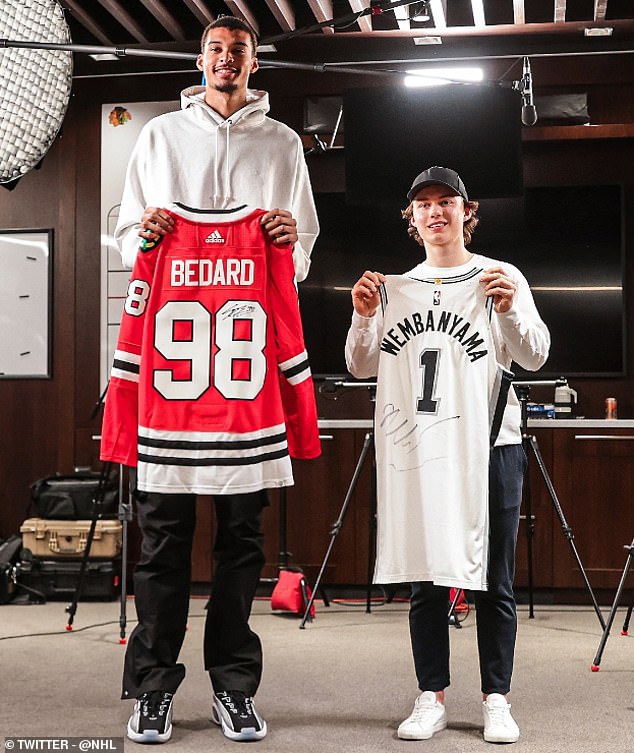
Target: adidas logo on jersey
214	237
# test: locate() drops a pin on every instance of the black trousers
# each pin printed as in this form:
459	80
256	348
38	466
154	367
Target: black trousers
232	651
496	614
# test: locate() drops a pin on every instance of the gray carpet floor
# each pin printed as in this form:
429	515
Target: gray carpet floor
342	685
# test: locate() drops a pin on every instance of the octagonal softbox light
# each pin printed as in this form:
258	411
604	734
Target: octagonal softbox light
35	84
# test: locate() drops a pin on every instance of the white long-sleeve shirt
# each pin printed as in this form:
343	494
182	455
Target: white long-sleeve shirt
198	158
520	335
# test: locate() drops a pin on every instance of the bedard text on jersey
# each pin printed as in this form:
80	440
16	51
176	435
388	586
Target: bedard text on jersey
201	273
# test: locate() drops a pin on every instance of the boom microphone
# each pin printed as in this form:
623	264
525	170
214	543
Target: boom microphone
529	113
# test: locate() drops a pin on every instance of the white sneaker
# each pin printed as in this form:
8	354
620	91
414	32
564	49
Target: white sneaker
235	712
151	721
429	716
499	725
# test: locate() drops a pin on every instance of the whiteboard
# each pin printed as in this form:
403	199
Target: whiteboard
25	303
118	137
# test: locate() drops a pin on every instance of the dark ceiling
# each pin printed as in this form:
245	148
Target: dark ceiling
366	33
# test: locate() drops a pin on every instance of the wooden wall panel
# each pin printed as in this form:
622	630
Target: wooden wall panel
47	424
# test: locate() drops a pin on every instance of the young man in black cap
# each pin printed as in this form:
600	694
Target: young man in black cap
449	479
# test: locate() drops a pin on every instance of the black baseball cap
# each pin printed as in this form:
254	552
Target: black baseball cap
438	175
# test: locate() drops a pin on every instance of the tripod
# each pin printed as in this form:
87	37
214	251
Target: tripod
606	630
529	442
367	444
125	515
330	387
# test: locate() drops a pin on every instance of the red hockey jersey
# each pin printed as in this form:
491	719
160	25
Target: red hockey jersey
210	389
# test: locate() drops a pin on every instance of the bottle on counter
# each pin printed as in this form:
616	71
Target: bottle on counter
611	408
565	397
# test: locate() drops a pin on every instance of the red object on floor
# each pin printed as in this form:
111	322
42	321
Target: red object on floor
461	604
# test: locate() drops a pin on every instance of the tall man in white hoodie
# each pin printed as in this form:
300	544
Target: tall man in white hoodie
220	151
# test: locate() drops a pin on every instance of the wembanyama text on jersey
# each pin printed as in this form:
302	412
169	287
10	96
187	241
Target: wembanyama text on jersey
439	402
211	390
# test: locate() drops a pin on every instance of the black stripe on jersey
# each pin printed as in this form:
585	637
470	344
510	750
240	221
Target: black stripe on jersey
504	380
297	369
235	444
195	210
450	280
249	460
133	368
489	307
383	297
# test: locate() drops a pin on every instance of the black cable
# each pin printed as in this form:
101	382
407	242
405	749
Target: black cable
58	632
74	630
342	22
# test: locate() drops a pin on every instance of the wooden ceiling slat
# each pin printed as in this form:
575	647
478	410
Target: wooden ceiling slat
201	11
88	22
560	11
519	15
600	9
166	19
365	23
322	10
438	14
242	9
125	19
283	12
477	8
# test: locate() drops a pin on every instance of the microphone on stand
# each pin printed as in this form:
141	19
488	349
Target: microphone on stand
529	112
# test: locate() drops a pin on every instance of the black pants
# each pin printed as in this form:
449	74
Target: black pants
496	615
232	651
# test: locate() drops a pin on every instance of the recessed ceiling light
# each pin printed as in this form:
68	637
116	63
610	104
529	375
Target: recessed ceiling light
100	57
598	31
266	48
439	76
427	40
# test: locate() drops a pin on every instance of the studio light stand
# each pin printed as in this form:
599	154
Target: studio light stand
529	443
332	387
97	515
452	616
125	515
617	599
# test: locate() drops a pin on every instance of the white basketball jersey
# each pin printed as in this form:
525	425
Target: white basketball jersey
440	397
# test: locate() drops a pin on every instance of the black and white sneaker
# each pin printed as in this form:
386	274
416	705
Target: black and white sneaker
151	721
235	712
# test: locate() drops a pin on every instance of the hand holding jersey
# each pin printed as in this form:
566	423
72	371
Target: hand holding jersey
365	293
278	223
499	285
496	283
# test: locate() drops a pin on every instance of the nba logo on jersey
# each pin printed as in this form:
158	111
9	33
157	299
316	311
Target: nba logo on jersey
436	298
214	237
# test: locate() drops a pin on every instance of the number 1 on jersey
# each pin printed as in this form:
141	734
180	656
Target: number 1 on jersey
429	364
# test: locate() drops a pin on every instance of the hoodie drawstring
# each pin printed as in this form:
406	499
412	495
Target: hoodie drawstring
218	200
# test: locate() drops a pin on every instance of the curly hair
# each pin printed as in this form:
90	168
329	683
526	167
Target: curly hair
232	23
467	228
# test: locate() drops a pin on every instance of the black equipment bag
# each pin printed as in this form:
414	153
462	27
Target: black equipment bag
9	561
73	497
56	580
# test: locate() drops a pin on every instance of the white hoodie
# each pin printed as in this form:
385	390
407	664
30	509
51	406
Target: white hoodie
196	157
